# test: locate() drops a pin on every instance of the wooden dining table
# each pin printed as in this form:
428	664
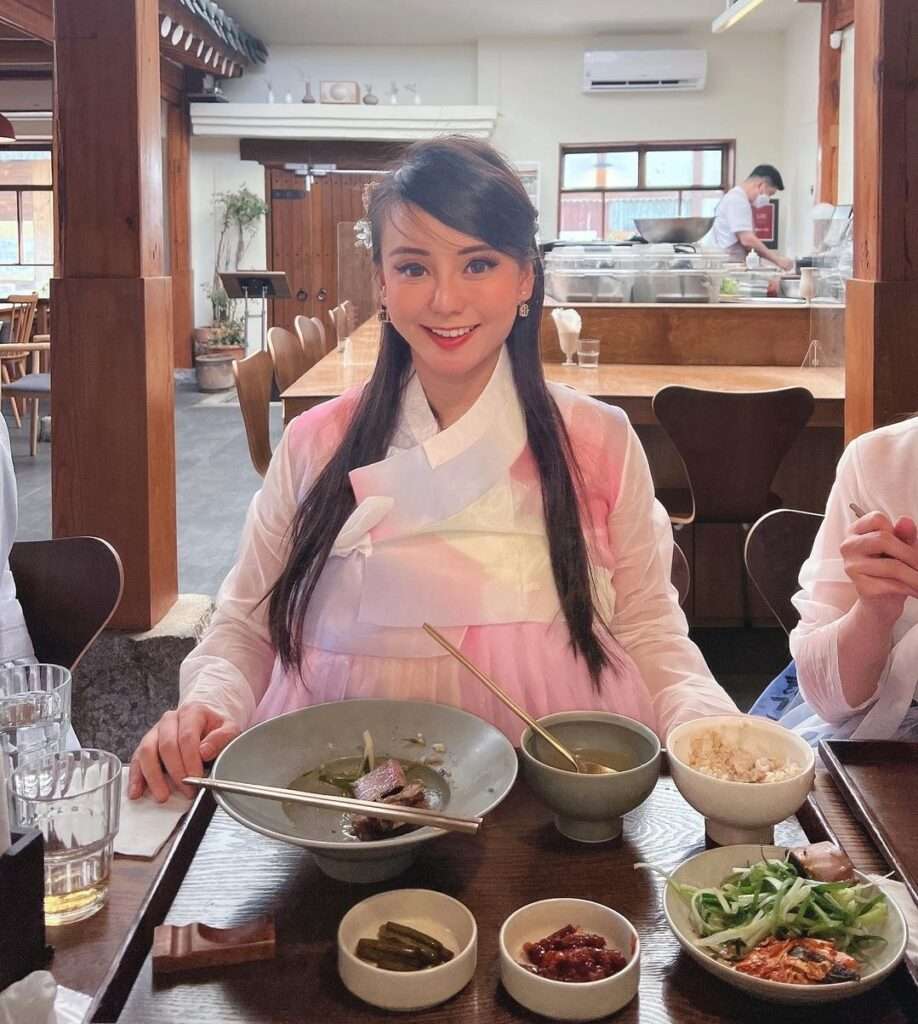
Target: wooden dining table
219	872
628	385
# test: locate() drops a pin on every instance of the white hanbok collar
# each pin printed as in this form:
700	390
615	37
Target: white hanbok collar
444	472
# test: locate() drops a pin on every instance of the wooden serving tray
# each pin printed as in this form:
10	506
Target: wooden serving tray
234	874
879	781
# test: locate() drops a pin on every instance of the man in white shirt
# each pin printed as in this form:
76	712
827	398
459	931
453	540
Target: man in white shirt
15	644
733	226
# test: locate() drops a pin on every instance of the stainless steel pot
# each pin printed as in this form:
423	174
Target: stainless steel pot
673	229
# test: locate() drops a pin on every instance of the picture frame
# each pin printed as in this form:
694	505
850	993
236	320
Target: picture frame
339	92
765	223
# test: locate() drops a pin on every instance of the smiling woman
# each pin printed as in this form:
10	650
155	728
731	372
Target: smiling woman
456	488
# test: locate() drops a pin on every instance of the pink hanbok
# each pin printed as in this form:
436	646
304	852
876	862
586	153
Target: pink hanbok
449	529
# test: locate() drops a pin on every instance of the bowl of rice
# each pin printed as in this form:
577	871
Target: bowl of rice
744	774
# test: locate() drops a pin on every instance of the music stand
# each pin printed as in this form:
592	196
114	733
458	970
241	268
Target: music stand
256	284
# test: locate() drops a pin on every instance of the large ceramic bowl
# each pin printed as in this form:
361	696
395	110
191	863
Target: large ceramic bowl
742	812
478	768
564	1000
709	869
589	808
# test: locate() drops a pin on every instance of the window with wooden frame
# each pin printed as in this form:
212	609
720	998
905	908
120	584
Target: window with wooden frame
604	188
26	219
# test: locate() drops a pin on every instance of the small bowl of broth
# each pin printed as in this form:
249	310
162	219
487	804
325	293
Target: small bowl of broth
589	808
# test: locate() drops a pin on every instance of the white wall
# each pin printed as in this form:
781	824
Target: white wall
536	85
801	131
442	74
216	167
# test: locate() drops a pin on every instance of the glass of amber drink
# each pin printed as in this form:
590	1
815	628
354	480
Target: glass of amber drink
74	800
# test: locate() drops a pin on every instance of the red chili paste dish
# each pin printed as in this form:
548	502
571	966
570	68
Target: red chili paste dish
571	954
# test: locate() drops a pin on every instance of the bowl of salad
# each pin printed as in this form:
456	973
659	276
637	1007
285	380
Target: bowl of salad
757	918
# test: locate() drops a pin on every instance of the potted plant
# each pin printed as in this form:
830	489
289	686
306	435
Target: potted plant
239	214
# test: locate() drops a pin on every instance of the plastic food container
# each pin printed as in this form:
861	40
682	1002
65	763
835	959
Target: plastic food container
640	273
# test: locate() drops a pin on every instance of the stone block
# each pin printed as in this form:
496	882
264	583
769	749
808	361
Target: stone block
127	680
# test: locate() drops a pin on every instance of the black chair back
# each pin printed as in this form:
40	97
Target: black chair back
731	444
69	588
776	547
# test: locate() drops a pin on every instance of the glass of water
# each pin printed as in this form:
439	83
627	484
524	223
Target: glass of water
74	800
588	352
34	712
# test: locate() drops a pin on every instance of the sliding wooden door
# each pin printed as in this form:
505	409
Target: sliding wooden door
311	239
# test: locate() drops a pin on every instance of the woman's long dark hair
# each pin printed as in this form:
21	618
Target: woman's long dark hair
468	186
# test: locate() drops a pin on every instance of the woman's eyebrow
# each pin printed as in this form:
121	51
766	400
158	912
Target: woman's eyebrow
405	250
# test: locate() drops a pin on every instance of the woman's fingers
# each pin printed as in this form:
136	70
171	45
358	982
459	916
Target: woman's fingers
169	751
906	529
217	739
884	570
146	762
176	747
879	544
871	522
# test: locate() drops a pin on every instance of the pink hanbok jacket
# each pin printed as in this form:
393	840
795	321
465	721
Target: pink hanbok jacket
449	529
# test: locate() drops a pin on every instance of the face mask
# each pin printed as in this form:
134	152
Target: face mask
762	201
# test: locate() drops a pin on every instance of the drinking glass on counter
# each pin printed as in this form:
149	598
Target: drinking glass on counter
34	712
74	800
588	352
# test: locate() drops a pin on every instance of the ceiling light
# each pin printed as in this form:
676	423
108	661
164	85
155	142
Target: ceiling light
200	47
165	26
177	34
189	39
735	11
209	54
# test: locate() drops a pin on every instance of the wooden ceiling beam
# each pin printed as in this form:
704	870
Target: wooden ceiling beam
34	17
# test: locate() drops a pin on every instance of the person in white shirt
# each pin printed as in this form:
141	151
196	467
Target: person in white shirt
733	226
856	645
15	644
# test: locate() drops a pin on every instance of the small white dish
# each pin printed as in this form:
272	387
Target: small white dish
710	869
568	1000
434	913
742	812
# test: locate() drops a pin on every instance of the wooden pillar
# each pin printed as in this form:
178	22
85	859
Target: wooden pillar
113	459
178	183
881	326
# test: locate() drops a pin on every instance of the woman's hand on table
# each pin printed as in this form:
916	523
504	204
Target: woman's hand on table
176	747
881	559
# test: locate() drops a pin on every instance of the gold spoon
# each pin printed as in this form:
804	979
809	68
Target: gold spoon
580	764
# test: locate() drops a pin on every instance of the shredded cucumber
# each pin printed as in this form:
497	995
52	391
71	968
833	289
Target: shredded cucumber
771	898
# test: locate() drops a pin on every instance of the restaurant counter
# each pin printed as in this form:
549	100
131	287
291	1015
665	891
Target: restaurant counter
764	333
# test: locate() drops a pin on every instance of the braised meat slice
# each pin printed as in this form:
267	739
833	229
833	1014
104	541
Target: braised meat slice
386	778
385	784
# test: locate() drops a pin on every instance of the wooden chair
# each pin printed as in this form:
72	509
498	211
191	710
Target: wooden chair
731	444
32	387
253	386
680	575
777	545
22	318
321	329
289	359
69	588
310	339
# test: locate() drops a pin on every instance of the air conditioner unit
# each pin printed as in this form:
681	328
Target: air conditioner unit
643	70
